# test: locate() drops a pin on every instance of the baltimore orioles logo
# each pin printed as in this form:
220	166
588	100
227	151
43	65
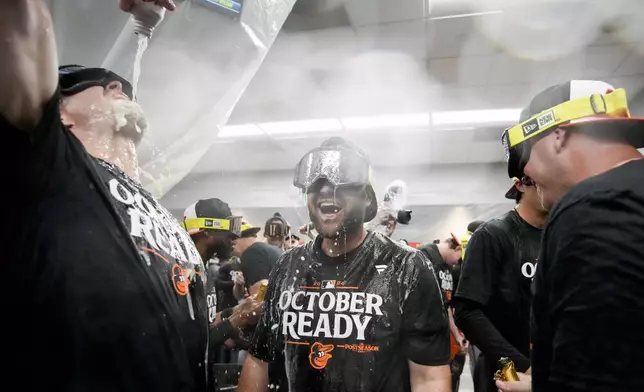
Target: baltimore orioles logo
319	356
179	280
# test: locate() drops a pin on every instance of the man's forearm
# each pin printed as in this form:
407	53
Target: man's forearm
29	66
452	326
221	332
239	292
254	376
481	332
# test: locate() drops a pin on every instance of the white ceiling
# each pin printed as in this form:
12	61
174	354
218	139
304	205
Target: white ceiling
403	57
336	59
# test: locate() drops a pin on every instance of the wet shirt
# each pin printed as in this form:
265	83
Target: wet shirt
497	274
589	288
112	288
353	322
442	271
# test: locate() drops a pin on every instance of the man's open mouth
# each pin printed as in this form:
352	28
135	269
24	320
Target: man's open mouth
329	208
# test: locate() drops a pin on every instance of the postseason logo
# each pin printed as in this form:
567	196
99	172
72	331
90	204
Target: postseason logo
538	123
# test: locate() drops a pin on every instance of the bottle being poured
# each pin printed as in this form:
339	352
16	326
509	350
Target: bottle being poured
146	15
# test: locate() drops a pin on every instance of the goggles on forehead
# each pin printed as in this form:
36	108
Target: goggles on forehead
75	79
339	167
232	224
517	140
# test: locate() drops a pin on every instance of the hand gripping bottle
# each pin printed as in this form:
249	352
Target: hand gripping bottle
147	16
506	371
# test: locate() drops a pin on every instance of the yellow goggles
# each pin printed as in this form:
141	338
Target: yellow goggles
613	104
232	224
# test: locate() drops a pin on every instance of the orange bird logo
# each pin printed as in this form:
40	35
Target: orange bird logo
179	279
319	356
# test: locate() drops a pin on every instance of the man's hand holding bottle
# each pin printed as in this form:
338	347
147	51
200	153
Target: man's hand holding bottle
523	385
126	5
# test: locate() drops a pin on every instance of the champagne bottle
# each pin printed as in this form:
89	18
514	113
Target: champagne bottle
506	371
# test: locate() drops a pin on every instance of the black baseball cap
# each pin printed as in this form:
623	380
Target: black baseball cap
74	78
590	105
211	214
513	192
472	226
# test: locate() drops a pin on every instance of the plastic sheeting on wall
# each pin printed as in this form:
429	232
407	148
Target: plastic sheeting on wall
198	64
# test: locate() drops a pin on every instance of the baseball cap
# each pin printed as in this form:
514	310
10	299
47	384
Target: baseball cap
74	78
472	226
211	214
248	230
593	106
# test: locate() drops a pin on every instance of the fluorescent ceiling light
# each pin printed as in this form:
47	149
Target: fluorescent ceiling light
304	126
414	120
466	15
475	117
240	131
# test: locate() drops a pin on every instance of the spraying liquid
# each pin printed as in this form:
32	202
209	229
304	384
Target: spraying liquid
136	74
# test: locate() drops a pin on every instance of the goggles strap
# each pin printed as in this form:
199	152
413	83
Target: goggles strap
613	104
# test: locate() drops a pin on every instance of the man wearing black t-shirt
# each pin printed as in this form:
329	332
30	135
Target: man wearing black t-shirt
492	303
213	229
578	142
109	288
444	257
257	258
353	310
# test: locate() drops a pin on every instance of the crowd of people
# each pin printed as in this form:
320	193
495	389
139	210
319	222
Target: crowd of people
110	292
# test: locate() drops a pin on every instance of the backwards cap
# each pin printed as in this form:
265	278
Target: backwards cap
211	214
597	105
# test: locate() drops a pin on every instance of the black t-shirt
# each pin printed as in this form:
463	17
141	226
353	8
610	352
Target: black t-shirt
111	287
456	275
225	283
497	273
442	271
588	311
352	322
258	260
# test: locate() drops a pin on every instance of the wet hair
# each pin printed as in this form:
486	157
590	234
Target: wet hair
451	242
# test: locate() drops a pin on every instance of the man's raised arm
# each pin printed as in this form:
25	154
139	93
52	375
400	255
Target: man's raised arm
29	66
